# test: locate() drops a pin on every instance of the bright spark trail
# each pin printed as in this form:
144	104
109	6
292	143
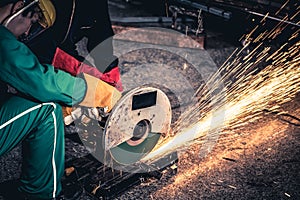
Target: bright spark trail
241	90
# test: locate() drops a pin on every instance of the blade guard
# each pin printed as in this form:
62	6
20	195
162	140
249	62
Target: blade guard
139	104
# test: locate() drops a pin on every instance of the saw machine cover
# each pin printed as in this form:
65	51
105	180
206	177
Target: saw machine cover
141	105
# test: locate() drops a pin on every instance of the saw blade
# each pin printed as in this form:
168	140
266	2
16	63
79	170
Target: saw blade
136	124
126	154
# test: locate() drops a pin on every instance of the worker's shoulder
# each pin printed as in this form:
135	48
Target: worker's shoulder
5	33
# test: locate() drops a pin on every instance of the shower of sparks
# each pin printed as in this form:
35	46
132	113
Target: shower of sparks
245	86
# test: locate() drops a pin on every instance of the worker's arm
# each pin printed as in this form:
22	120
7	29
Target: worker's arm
22	70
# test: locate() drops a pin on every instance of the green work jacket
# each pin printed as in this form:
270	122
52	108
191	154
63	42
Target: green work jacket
20	69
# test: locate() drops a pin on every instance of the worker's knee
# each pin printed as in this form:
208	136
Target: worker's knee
53	110
58	112
52	115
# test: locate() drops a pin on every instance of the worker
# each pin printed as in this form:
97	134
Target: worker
31	97
76	19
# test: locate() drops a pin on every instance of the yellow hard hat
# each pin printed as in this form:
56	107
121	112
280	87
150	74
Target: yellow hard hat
48	13
46	8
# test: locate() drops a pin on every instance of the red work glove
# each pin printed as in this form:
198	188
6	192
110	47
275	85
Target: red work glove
68	63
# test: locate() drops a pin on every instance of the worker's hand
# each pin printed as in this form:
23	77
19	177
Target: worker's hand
83	114
99	94
71	114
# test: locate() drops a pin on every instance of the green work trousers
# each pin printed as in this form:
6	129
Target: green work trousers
40	128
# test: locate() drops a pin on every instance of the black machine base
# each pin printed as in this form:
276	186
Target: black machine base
103	182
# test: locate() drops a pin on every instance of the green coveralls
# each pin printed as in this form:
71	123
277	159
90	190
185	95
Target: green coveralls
33	116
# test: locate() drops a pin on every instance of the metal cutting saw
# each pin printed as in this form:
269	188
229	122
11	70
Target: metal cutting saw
136	124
